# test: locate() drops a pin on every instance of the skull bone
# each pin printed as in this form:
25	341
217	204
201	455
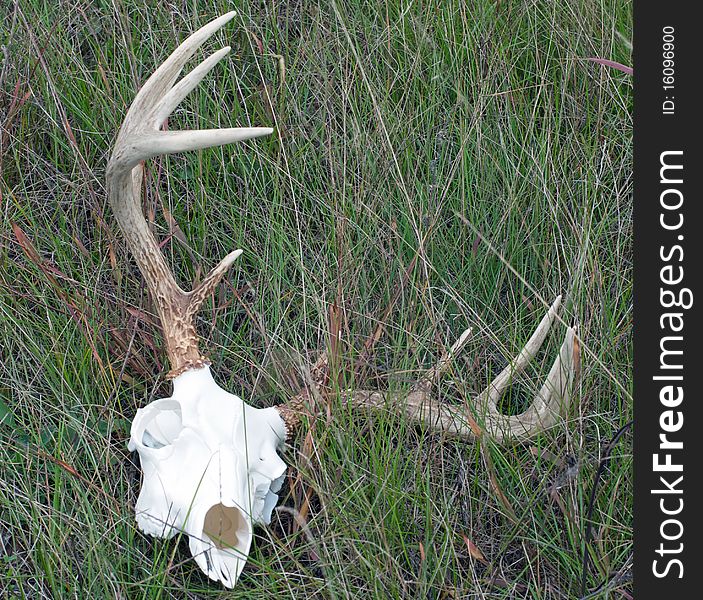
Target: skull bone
210	470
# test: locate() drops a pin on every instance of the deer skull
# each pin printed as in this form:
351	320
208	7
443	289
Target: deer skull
210	465
210	470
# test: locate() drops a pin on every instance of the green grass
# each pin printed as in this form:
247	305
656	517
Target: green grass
396	124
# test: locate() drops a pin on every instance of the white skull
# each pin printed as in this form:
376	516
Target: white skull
210	468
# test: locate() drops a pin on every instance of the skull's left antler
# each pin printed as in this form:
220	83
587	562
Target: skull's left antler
482	416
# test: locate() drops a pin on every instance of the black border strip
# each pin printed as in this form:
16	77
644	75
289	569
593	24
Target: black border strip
665	371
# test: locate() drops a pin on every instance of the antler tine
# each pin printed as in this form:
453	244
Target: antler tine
140	138
165	76
492	394
170	142
551	402
187	84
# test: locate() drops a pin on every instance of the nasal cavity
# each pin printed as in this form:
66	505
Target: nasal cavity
226	526
164	426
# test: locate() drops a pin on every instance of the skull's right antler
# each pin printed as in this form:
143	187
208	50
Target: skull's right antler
140	138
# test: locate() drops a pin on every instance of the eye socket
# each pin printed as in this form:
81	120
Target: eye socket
163	425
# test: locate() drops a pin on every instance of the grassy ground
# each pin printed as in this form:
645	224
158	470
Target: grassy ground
442	163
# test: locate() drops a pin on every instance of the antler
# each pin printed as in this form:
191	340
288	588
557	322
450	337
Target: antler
551	402
140	138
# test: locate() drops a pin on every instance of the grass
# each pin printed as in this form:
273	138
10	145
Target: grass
468	145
